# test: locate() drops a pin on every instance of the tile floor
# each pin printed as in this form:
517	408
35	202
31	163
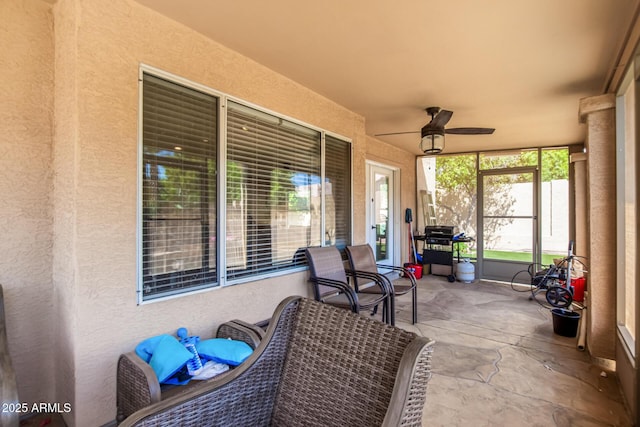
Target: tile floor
497	361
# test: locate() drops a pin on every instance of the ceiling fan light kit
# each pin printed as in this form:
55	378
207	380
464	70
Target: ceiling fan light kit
432	143
432	134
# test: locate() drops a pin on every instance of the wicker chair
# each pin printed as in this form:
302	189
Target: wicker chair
363	261
137	384
317	365
8	386
332	287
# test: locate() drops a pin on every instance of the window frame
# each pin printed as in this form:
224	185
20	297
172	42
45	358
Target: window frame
140	217
629	86
221	187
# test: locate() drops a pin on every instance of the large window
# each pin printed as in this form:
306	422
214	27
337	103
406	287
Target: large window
448	194
278	196
273	192
179	132
554	203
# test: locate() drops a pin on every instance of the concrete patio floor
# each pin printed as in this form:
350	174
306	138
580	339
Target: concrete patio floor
497	361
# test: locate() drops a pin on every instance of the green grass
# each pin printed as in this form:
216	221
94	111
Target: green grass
514	256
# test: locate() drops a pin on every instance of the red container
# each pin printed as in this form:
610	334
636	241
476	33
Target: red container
578	285
416	269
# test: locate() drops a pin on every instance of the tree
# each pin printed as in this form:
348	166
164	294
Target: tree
457	196
456	193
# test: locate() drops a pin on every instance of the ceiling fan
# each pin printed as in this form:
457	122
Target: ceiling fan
432	134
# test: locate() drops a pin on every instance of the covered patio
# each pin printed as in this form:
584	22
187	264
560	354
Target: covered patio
164	166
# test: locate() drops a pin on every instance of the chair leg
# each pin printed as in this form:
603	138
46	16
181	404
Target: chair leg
392	310
414	297
387	306
374	310
386	317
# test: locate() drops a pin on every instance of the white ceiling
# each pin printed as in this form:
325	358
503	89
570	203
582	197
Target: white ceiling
520	66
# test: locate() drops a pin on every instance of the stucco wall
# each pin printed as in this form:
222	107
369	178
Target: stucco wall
102	44
26	114
64	200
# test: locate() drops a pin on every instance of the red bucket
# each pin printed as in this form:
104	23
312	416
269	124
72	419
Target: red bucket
416	269
578	285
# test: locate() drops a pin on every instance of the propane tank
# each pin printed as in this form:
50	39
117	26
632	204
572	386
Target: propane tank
466	271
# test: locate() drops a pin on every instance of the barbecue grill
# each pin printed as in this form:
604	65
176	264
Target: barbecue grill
439	245
438	235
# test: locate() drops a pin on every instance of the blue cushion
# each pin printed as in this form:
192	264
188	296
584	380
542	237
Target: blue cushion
144	350
165	354
224	350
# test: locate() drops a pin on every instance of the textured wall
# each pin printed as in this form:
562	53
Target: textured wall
100	45
64	199
26	95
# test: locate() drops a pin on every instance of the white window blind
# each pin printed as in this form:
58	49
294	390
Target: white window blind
273	192
179	140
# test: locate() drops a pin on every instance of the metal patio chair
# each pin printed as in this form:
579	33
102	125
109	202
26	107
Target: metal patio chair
362	262
331	286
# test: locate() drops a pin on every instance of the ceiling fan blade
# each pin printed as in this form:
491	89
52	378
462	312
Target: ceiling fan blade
470	131
441	119
395	133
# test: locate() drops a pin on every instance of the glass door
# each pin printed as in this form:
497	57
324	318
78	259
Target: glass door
508	222
380	233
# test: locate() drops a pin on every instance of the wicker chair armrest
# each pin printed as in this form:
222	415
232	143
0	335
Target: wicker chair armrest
410	389
245	396
263	324
8	385
240	330
257	328
137	385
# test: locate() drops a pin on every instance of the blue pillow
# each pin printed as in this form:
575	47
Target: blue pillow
165	354
144	350
224	350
